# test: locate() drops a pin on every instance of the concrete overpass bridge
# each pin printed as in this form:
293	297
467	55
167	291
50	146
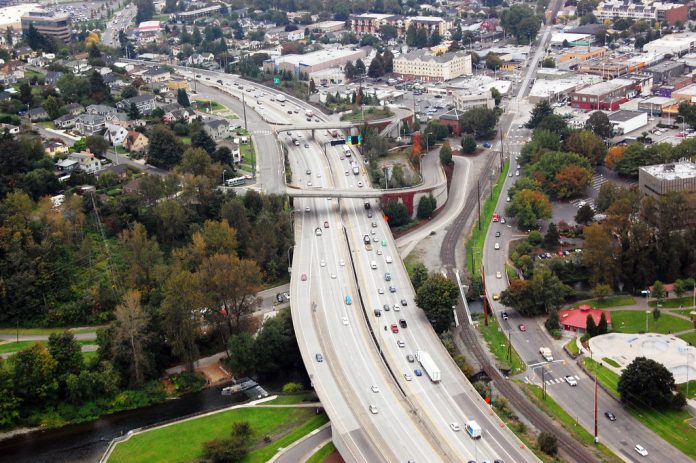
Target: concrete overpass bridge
341	125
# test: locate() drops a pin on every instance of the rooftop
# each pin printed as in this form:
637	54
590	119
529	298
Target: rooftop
623	115
672	171
425	55
316	57
12	15
688	90
578	317
603	88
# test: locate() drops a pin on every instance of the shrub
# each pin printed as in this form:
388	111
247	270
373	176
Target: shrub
291	388
548	443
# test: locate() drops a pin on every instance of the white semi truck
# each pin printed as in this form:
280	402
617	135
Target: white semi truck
429	366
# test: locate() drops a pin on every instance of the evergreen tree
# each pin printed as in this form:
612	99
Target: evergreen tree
591	326
99	90
376	67
182	98
411	36
421	38
133	112
359	68
603	327
349	70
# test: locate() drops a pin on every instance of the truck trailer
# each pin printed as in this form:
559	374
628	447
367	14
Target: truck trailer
429	366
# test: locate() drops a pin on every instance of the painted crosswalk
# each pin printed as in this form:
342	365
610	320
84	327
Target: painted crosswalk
598	181
551	382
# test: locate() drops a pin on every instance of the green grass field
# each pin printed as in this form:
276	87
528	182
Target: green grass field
581	434
322	454
46	331
628	321
292	399
370	114
612	301
690	338
671	425
611	362
497	341
674	303
692	389
572	347
17	346
474	247
283	425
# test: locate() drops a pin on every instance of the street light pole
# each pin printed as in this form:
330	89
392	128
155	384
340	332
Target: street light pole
223	176
647	312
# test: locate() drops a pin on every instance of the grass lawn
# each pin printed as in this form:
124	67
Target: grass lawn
16	346
671	425
370	114
283	425
185	140
46	331
685	312
474	247
628	321
690	338
322	454
611	362
674	303
692	389
612	301
497	341
88	356
204	105
572	347
568	422
248	153
292	399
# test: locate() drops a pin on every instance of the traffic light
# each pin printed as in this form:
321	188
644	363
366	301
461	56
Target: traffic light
338	142
354	140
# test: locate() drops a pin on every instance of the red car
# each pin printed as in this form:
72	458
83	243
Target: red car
394	328
522	328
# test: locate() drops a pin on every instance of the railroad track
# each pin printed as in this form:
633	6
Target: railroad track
569	448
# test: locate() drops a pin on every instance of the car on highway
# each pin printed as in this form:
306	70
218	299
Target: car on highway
303	277
455	427
510	174
307	209
410	358
379	252
522	327
388	259
400	343
386	307
496	246
387	276
306	145
309	183
349	300
326	224
498	275
392	289
610	416
504	315
497	234
517	173
408	377
344	320
397	308
404	302
374	224
641	450
319	357
571	380
333	276
380	290
502	220
373	409
418	372
322	263
360	184
375	388
308	172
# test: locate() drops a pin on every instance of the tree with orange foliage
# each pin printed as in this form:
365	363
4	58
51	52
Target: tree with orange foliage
614	154
529	206
417	147
571	181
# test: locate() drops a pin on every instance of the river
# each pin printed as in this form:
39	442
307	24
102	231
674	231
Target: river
85	442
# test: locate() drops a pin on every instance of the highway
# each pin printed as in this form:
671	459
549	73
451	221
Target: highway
119	22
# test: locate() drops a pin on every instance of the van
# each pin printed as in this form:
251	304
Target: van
473	429
373	265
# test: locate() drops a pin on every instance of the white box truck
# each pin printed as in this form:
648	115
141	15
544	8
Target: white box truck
429	366
473	429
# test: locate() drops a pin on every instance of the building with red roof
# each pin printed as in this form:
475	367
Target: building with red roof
576	319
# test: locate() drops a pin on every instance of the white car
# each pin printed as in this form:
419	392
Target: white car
333	276
373	409
322	263
388	259
375	388
379	252
408	377
309	183
497	246
380	290
498	275
360	184
641	450
572	382
342	263
455	427
397	308
345	320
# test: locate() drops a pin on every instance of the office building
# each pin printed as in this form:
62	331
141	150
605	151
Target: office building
669	13
661	179
56	26
607	95
420	64
369	23
672	44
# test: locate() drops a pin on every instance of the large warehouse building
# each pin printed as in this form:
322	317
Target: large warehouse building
315	61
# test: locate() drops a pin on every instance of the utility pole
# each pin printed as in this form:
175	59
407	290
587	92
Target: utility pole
596	423
543	382
485	291
244	110
478	197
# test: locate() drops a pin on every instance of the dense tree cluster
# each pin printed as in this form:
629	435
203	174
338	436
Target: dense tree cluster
521	21
647	384
436	296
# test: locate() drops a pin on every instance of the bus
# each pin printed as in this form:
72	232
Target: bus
237	181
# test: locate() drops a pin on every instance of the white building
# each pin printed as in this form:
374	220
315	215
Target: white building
115	134
673	44
627	121
421	64
666	12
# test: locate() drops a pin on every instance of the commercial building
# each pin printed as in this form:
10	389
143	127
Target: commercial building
672	44
11	16
662	72
420	64
464	100
660	179
576	319
560	39
57	26
655	105
604	95
327	26
625	121
582	54
687	94
670	13
190	16
556	90
315	61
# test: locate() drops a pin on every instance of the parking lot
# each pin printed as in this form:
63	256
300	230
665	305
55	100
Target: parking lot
79	11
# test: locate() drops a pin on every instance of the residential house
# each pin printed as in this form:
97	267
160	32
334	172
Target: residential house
144	103
89	124
79	67
115	134
100	109
104	70
156	74
178	115
198	59
66	165
51	78
65	121
217	128
37	114
55	147
38	61
114	81
86	161
11	72
136	142
123	120
121	170
74	108
133	186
